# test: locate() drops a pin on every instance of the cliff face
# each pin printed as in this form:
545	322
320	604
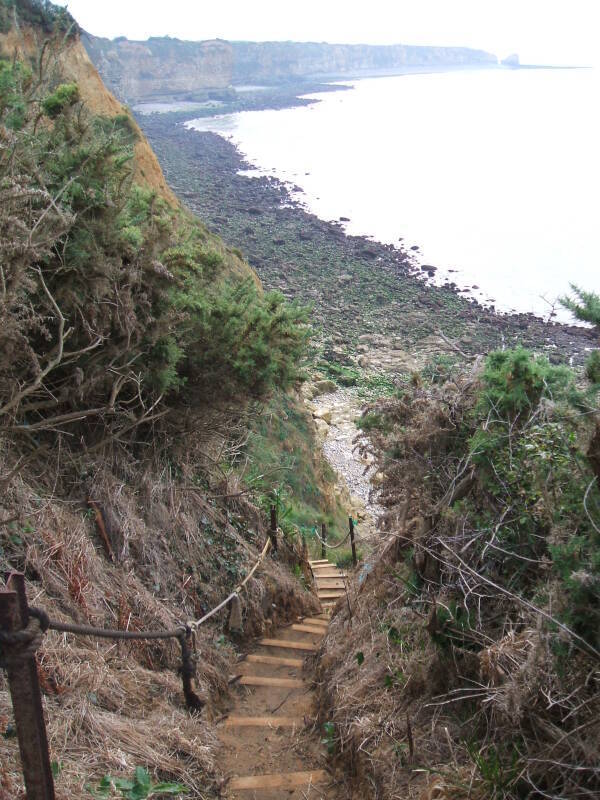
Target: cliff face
160	67
167	68
273	61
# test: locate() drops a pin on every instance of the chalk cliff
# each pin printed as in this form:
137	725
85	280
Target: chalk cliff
170	68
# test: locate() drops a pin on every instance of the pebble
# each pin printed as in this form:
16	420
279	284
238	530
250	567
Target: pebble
341	447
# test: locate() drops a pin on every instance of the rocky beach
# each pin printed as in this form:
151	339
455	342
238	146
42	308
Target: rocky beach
377	315
357	287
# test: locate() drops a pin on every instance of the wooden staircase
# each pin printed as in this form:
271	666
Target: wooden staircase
267	749
268	754
330	583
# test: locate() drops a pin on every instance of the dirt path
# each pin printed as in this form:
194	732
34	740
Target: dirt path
271	749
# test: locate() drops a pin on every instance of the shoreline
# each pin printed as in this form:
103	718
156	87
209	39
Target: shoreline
359	287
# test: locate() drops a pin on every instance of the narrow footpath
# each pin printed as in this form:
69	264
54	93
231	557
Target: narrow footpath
271	747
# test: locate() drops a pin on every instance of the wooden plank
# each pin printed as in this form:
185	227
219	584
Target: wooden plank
332	573
289	645
331	595
281	780
275	661
263	722
319	561
330	583
282	683
316	621
323	572
308	629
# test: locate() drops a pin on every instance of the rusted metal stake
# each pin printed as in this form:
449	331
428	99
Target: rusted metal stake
26	697
323	539
273	530
351	523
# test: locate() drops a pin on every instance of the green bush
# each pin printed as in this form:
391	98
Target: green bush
592	367
40	13
585	306
514	382
148	298
372	421
64	96
14	82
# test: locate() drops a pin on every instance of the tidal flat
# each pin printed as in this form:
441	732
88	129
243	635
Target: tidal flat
374	307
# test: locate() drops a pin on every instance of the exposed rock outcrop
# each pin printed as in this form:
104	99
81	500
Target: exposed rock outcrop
161	67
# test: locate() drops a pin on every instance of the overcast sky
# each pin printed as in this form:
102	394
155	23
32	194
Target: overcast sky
549	31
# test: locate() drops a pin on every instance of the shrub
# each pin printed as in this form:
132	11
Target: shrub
138	288
514	382
592	367
64	96
40	13
585	306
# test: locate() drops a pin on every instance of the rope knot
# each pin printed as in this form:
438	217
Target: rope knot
18	646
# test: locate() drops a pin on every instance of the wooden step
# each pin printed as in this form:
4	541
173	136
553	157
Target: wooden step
263	722
330	583
289	645
324	575
331	595
308	629
319	561
281	683
324	623
323	571
281	780
275	661
327	568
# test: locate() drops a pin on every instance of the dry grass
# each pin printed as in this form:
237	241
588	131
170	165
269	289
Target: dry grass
428	706
113	706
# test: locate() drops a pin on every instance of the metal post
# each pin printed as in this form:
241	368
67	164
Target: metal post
273	529
323	539
351	522
26	697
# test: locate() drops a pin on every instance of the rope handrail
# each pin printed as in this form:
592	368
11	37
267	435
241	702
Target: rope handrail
20	645
22	630
194	625
332	546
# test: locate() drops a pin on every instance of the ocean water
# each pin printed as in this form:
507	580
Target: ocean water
493	174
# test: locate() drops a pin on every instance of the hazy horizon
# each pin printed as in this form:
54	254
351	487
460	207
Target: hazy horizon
541	31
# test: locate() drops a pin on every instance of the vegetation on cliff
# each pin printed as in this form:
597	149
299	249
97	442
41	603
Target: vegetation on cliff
111	299
472	670
585	306
136	352
42	14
